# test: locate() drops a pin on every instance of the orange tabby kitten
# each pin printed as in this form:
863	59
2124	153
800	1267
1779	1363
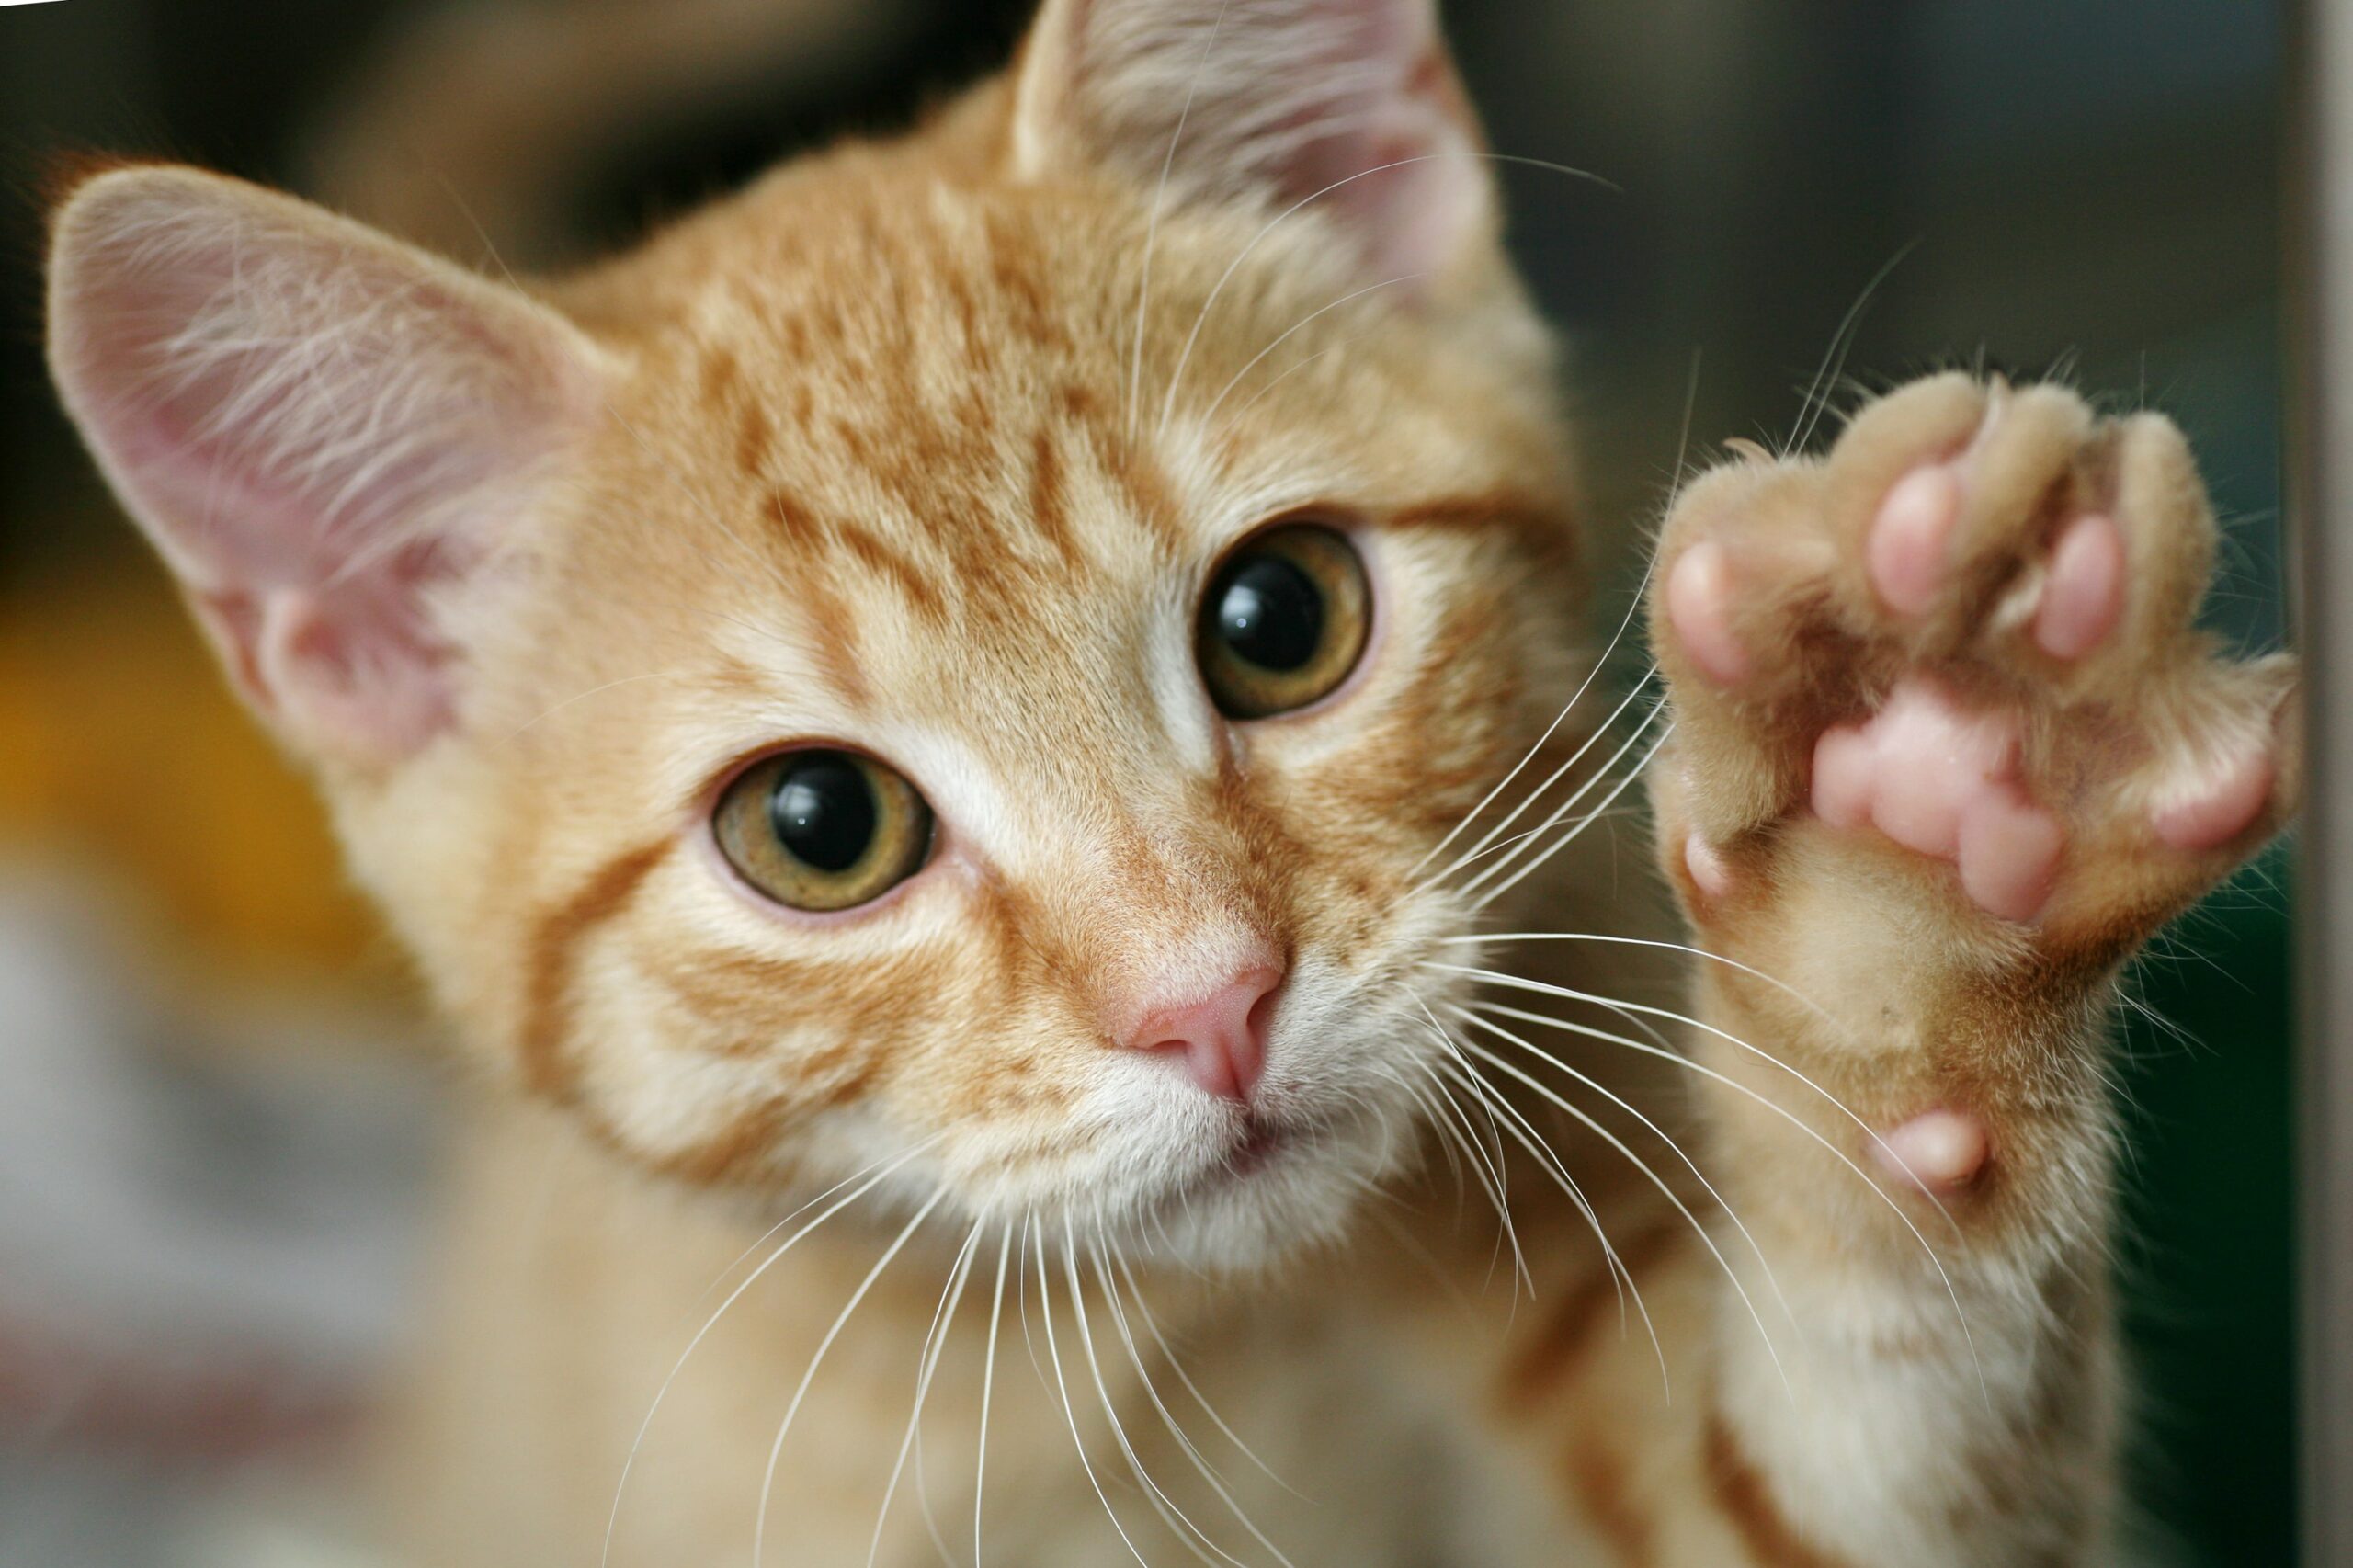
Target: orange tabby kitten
992	696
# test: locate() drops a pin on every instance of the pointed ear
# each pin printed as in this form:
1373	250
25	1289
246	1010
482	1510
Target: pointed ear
1278	100
324	432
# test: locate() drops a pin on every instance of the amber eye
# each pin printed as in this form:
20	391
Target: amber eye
820	829
1284	621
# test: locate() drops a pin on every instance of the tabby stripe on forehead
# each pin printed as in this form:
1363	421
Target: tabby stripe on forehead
1050	500
541	1042
1540	525
811	532
836	647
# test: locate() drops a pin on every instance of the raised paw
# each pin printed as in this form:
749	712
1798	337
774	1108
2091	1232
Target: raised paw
1964	639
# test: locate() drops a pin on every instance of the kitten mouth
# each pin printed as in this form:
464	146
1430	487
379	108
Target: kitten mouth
1257	1145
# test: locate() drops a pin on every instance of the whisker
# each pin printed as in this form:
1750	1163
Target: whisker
1021	1292
1070	1413
988	1387
1667	1190
1547	1158
1192	339
1513	875
767	1480
1420	1096
1600	731
1178	1522
1505	845
1834	358
1168	1354
935	1340
1625	623
1209	1472
1176	1429
1622	1278
1290	369
1489	1179
1656	1131
612	1517
517	732
1152	223
1284	336
1514	982
1781	986
1770	1104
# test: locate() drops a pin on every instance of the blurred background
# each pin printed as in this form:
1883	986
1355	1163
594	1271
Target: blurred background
217	1112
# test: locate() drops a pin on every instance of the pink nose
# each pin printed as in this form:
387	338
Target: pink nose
1222	1036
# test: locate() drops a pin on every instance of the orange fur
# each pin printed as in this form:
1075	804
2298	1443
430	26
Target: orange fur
927	447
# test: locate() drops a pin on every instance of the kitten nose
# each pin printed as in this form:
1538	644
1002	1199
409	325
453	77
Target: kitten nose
1222	1036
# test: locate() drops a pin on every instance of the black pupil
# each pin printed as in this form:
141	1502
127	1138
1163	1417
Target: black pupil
1270	613
823	811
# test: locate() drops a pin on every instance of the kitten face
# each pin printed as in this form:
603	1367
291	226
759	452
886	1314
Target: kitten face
903	453
963	563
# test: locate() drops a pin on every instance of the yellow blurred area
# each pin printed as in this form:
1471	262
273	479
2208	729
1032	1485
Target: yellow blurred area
122	748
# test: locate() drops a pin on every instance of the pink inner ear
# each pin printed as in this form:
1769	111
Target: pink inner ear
1295	99
1399	168
363	651
318	428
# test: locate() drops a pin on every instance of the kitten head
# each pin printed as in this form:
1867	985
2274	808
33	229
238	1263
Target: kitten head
950	664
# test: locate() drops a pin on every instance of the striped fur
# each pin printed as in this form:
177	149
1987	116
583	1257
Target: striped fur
928	447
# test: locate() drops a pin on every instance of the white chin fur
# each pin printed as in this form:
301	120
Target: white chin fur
1302	1199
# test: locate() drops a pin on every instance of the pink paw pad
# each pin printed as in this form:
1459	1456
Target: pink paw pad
2084	597
1909	547
1943	783
1699	606
1939	1152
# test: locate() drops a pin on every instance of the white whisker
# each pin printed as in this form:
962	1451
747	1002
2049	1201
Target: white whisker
1179	1523
767	1480
1489	1176
553	708
1169	1355
1625	623
1622	1278
1525	1133
1070	1412
1834	358
1468	1016
1632	694
1192	339
1639	1164
1176	1429
613	1517
1516	874
1152	223
1781	986
1775	1106
1247	404
935	1341
1284	336
988	1387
